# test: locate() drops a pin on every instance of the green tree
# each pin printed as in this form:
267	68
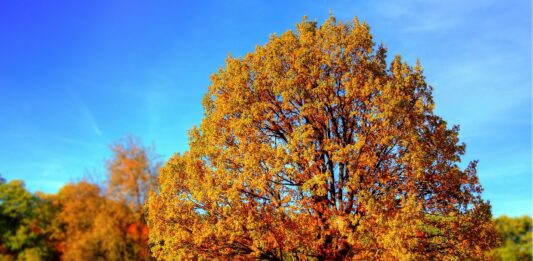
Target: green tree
25	223
517	239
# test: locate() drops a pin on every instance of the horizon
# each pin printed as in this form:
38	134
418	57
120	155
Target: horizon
75	78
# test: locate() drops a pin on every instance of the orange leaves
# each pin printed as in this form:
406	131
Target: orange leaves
131	173
89	225
312	147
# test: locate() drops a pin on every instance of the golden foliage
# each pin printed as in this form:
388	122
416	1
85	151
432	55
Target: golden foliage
131	173
93	228
313	148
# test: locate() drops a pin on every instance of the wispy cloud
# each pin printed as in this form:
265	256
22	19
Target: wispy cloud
87	116
156	102
53	168
429	15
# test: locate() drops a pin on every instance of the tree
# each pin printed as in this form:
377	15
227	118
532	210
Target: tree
25	223
313	148
517	238
92	227
132	173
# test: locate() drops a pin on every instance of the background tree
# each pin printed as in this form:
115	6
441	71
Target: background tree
132	173
92	227
25	223
517	239
313	148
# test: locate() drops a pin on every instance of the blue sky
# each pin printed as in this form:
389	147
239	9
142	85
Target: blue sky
76	76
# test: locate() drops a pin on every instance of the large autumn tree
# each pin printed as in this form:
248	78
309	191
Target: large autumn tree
312	147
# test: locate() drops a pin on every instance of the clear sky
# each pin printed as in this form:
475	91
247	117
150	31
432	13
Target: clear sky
76	76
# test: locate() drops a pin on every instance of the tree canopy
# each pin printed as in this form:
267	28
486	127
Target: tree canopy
93	228
314	147
132	172
26	219
517	238
84	220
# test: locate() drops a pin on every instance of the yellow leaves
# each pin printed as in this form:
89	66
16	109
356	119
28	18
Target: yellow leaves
92	225
347	153
131	173
316	185
312	147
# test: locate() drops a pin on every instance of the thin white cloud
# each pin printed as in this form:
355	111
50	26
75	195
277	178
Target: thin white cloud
156	104
87	116
53	168
424	16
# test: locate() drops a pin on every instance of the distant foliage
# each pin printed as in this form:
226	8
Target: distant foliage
83	221
312	147
132	173
93	228
517	238
25	224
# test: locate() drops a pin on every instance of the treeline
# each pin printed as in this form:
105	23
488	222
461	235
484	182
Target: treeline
312	147
84	220
90	221
516	238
